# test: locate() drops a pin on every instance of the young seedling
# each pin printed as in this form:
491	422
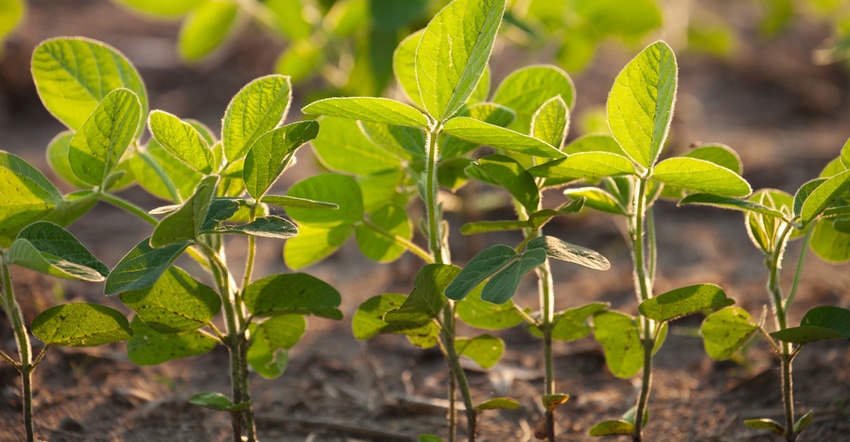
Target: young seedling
818	214
443	71
640	108
503	265
49	249
217	188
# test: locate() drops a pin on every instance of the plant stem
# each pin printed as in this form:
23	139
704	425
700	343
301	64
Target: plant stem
129	207
644	286
442	256
24	366
786	352
409	245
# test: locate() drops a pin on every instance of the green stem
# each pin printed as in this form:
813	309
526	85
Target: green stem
235	342
644	286
435	235
457	372
166	181
786	350
129	207
406	243
806	239
24	366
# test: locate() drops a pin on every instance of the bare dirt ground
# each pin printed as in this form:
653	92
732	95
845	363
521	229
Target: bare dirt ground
785	117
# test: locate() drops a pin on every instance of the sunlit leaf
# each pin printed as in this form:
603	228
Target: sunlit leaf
485	350
81	324
292	293
149	347
256	109
684	301
726	331
619	337
378	110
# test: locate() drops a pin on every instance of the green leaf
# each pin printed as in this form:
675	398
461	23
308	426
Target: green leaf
510	175
271	153
492	226
684	301
485	350
182	140
378	110
526	90
820	323
314	243
299	203
174	303
221	209
426	301
480	267
803	193
187	222
392	187
206	28
401	141
337	189
47	248
142	266
583	165
73	75
597	199
183	178
726	331
80	324
804	421
266	227
594	143
97	147
572	325
214	401
72	207
700	176
612	428
25	196
292	293
373	239
342	146
429	438
503	284
368	320
551	122
640	105
766	424
269	341
830	244
404	61
845	154
57	158
563	251
453	52
161	8
12	13
482	314
480	132
491	113
724	202
256	109
498	404
823	196
619	337
149	347
719	154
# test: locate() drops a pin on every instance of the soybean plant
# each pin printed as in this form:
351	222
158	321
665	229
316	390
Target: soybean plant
817	213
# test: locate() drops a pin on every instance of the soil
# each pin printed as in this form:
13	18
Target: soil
785	116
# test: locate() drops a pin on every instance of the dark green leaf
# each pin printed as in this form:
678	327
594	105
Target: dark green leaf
292	293
479	268
267	227
766	424
724	202
819	323
426	301
684	301
187	222
269	341
80	324
215	401
175	303
142	266
503	284
149	347
47	248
